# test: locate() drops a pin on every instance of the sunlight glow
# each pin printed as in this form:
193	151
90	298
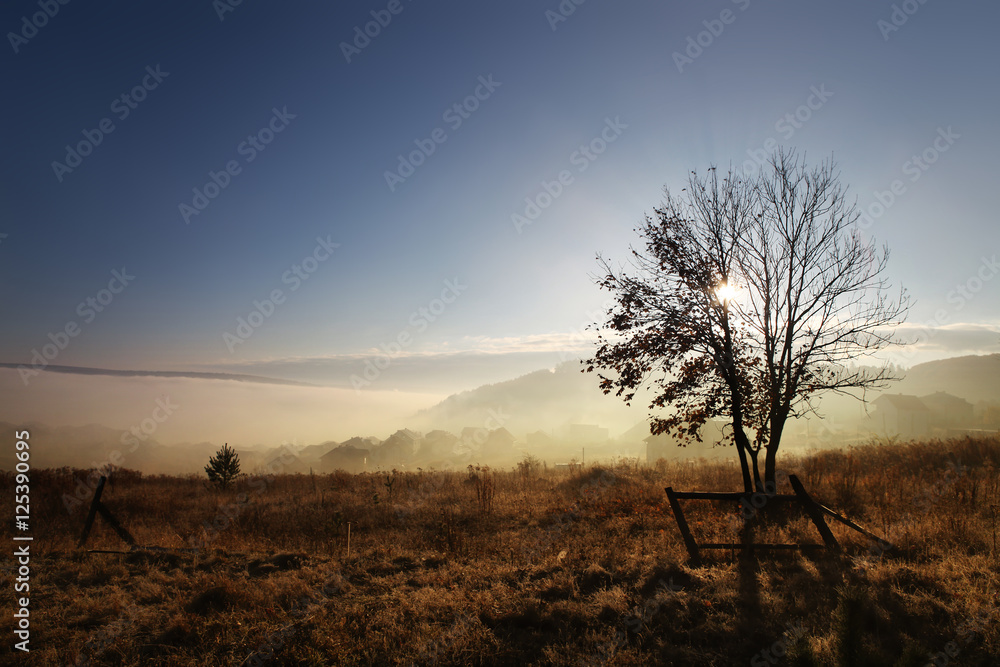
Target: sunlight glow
725	292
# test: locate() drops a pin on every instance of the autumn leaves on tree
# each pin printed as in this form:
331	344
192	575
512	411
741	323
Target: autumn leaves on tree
752	295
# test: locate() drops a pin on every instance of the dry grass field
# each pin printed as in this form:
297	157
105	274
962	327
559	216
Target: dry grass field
523	567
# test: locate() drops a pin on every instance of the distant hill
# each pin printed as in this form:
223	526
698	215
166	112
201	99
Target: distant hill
94	446
974	378
542	400
549	399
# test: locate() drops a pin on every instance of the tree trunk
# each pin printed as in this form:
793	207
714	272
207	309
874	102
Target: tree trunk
744	467
743	447
739	435
771	453
756	472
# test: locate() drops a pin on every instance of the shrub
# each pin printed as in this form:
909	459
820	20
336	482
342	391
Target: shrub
224	467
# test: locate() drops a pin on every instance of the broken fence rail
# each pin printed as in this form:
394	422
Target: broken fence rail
813	509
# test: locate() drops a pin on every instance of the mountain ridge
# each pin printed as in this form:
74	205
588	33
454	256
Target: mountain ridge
577	397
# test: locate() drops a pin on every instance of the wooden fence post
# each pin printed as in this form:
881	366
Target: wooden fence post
692	546
96	506
813	509
815	513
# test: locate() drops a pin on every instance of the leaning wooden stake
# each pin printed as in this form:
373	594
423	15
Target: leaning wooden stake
815	513
847	522
692	546
88	524
96	506
813	509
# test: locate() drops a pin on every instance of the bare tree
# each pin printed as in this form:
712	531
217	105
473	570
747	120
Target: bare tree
752	295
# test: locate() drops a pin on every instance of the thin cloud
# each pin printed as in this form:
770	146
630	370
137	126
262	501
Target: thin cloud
959	337
550	342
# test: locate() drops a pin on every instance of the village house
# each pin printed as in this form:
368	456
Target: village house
662	446
311	454
438	444
398	449
500	441
900	415
347	457
540	440
949	412
284	461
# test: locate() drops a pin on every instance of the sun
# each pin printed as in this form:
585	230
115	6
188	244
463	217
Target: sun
725	292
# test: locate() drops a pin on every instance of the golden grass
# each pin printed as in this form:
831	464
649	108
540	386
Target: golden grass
526	567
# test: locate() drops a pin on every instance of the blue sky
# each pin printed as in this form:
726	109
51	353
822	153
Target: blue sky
518	297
